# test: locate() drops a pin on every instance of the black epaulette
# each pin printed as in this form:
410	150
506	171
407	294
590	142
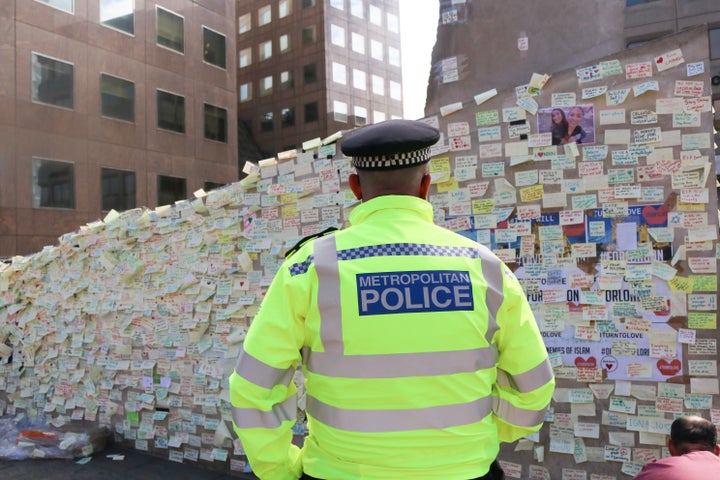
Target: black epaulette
304	240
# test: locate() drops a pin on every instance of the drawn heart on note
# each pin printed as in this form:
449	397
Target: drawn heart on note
583	363
669	369
655	216
574	230
660	60
540	154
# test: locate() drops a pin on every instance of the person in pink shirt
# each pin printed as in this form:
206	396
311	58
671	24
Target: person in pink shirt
694	453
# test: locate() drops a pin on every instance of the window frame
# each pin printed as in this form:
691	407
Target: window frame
267	118
265	9
247	50
206	29
102	105
287	117
222	136
338	115
308	108
158	91
265	50
130	198
37	189
249	96
264	90
50	3
307	71
158	8
183	181
113	27
34	96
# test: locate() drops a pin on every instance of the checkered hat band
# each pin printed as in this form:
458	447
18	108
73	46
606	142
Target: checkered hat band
392	249
396	160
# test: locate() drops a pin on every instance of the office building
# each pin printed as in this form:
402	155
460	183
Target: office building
309	68
110	104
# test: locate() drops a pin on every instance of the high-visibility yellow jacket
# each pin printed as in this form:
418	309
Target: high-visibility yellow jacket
420	350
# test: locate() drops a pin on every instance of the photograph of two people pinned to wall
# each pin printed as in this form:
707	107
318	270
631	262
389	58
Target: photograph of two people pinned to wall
574	124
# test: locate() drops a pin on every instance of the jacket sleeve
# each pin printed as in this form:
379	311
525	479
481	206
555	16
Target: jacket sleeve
262	393
525	381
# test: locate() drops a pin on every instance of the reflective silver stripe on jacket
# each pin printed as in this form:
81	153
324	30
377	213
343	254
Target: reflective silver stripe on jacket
527	381
262	374
517	416
439	417
254	418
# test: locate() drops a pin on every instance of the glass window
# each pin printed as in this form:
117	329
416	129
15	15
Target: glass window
117	98
360	115
340	111
312	112
394	56
395	91
284	43
375	14
308	35
356	8
630	3
117	189
392	23
339	73
245	57
118	14
358	43
359	79
52	81
308	3
378	85
170	189
207	186
337	35
339	4
170	30
284	8
64	5
214	50
378	116
244	23
310	73
714	35
287	117
264	15
376	50
170	111
53	184
286	80
266	85
245	92
265	50
266	122
216	123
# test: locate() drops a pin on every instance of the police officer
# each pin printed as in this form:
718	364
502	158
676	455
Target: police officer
420	351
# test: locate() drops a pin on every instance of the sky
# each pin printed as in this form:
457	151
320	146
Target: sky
418	25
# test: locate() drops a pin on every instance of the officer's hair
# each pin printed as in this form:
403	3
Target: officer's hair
401	181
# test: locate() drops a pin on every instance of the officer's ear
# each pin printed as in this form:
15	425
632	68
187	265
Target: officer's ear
425	186
354	182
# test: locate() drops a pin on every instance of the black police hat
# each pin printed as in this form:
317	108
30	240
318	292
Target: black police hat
390	144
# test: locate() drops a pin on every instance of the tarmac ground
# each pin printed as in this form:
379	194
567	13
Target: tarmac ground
136	465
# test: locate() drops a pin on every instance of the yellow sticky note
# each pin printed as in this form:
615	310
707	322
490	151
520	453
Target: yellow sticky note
702	320
681	284
451	184
532	194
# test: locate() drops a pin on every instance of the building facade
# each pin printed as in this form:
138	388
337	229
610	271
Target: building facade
309	68
110	104
511	49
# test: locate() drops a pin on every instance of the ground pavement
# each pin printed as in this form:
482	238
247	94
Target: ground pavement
135	466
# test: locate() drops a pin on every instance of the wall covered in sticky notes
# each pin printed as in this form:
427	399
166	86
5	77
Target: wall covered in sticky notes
595	185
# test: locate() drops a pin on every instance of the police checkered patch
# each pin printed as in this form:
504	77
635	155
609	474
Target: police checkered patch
392	161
